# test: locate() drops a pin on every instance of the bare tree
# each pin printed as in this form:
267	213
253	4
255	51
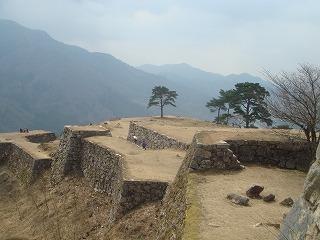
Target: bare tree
296	99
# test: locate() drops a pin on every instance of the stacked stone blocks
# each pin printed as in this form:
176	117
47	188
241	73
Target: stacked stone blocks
153	139
289	155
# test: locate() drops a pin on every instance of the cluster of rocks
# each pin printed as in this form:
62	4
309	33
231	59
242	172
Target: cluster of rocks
291	155
254	193
153	139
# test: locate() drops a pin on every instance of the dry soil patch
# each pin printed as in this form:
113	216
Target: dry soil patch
143	164
222	219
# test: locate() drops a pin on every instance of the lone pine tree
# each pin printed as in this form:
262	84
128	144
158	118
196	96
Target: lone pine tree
162	96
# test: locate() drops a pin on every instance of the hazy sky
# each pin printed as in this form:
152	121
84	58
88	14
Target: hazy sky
226	36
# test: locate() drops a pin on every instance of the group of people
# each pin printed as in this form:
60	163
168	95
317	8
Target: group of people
25	130
144	143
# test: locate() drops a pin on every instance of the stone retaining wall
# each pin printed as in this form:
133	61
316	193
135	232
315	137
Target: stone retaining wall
290	155
213	156
5	150
41	137
67	160
135	193
102	167
21	163
153	139
173	208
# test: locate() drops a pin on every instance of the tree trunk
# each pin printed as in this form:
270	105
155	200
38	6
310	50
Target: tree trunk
247	114
161	108
218	115
227	121
307	134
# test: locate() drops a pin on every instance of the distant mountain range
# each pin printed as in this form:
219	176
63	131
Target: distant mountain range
47	84
196	86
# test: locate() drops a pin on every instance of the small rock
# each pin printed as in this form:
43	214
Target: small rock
238	199
254	191
275	225
288	202
214	225
258	225
269	198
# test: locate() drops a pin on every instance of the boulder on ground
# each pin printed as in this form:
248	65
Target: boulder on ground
238	199
254	191
269	198
288	202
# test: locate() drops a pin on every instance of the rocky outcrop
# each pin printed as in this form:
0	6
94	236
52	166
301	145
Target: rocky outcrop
291	155
303	221
153	139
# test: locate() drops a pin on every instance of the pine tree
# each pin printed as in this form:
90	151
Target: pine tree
162	96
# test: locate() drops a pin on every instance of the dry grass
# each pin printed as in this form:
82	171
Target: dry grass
49	147
193	211
70	210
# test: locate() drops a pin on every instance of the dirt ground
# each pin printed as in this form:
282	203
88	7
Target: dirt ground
184	129
224	220
73	210
21	140
142	164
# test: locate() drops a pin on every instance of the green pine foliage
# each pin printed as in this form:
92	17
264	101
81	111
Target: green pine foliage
162	96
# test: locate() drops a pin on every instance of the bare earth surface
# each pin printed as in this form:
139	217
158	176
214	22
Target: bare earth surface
21	140
224	220
144	164
184	129
73	210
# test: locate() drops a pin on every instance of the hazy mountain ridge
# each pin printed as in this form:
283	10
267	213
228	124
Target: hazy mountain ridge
47	84
201	85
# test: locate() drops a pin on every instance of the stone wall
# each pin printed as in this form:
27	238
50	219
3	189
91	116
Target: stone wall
303	221
67	160
290	155
41	137
5	150
154	139
135	193
213	156
24	165
173	208
102	167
